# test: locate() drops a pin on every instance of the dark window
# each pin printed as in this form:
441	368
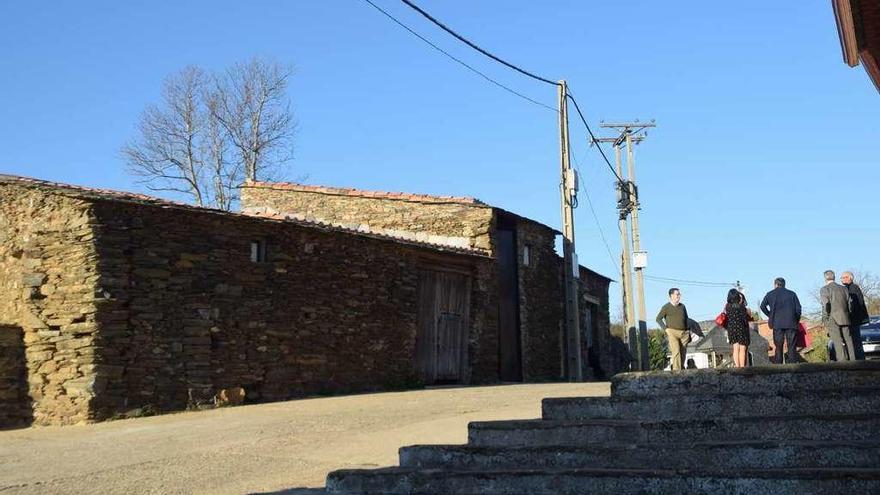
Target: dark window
258	251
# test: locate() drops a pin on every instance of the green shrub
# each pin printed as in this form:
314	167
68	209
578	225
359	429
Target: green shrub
818	352
657	349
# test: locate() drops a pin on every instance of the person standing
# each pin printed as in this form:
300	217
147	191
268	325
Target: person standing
858	315
783	310
738	327
673	318
836	308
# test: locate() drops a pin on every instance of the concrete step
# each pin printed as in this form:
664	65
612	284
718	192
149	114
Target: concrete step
543	433
689	455
862	400
760	379
578	481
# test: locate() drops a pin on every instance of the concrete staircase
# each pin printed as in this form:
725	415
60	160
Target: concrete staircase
802	428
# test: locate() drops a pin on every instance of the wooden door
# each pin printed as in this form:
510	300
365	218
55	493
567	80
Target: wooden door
441	345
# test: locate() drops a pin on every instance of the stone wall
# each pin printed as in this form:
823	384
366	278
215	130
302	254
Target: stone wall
188	313
454	218
608	355
48	291
540	302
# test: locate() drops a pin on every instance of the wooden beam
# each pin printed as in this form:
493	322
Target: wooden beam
846	30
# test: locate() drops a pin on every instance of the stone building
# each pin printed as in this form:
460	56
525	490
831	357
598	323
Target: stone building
114	302
527	269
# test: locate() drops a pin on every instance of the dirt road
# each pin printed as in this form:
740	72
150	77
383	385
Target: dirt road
256	449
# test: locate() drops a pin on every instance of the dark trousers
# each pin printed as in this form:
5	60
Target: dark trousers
842	337
858	349
786	335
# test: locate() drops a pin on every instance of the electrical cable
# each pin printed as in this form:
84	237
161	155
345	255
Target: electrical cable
474	46
595	217
593	136
472	69
522	71
690	282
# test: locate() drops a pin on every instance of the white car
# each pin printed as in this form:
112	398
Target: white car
700	359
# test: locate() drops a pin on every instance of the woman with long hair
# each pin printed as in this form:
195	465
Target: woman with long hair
738	327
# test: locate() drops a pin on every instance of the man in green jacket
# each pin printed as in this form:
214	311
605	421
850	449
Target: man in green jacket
673	318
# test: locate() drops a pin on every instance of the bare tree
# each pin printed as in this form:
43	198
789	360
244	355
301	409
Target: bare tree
255	114
167	156
870	285
211	131
226	175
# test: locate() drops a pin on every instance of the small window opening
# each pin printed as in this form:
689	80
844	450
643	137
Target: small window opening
258	251
527	255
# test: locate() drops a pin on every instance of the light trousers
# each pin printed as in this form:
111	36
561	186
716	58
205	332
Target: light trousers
678	341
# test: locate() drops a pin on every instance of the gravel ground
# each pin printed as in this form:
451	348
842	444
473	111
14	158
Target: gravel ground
283	447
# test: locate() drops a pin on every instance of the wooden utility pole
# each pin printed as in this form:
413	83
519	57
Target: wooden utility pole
568	189
627	131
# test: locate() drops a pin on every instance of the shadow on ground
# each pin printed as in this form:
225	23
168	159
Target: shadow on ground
296	491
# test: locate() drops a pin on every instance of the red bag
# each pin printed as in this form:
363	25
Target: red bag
721	319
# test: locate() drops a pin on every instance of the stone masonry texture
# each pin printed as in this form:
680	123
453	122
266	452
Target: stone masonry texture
48	305
116	304
125	306
541	312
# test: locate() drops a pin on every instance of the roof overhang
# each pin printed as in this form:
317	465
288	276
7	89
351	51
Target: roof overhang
858	28
846	30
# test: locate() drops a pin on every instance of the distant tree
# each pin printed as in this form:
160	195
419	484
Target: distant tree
212	131
870	285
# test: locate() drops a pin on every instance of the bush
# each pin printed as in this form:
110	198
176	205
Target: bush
657	349
819	349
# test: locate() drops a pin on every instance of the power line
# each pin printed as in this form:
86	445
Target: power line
690	282
472	69
505	63
475	47
593	136
595	217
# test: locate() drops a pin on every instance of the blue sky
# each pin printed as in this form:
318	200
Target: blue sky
764	162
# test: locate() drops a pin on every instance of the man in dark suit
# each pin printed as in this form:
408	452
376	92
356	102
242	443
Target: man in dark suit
783	310
858	315
836	308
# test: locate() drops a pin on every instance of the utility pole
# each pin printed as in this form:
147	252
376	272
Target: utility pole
627	131
568	189
623	206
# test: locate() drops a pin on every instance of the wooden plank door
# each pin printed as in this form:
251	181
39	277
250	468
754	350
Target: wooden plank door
444	305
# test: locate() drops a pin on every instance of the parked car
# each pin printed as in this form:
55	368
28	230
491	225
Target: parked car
870	340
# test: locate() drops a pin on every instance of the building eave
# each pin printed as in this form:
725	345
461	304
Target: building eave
846	31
